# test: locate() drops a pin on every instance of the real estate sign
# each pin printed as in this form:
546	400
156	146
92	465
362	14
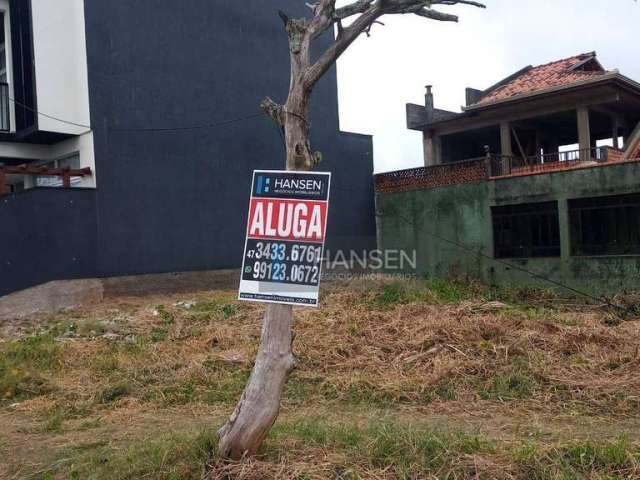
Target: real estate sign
285	237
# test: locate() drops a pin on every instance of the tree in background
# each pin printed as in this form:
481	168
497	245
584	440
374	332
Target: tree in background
259	405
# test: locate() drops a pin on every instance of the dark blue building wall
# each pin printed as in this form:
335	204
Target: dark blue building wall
49	234
177	200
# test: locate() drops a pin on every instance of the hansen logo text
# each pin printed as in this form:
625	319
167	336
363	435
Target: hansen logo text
265	185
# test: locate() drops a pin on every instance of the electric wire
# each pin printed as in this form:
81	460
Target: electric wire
52	117
532	274
147	129
192	127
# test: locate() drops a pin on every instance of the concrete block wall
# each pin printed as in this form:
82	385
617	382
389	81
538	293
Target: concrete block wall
451	229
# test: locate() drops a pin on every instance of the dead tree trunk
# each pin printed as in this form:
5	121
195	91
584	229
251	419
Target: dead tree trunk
259	405
258	408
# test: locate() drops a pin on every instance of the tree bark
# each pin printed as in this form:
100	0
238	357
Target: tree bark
259	405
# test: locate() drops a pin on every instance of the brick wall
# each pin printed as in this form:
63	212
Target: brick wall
614	155
431	177
633	152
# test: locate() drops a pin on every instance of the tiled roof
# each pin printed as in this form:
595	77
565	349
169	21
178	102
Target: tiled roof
555	74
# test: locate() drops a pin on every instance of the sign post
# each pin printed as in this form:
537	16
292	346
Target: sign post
285	239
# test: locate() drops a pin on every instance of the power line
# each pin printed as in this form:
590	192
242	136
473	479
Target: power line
529	272
515	267
68	122
152	129
192	127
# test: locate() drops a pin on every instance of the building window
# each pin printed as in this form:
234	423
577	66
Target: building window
4	78
72	162
605	225
526	231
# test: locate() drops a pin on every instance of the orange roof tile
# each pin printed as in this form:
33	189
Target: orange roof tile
559	73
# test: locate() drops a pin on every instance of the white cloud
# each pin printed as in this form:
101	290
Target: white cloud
380	74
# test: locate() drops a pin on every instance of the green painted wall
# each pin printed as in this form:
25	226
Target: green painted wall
432	221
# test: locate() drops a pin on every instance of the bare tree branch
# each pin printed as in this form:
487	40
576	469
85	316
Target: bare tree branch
368	11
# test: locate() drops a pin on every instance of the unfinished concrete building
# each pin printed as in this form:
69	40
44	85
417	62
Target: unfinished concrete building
538	174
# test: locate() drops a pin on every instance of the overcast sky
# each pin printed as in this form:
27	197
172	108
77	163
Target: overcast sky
380	74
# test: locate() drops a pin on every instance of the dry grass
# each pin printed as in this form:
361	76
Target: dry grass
396	380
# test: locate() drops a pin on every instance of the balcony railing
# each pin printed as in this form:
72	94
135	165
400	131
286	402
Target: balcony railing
5	123
492	166
502	165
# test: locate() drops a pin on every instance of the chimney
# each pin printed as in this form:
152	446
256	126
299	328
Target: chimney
428	103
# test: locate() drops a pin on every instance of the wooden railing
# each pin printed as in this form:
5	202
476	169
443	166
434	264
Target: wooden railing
66	174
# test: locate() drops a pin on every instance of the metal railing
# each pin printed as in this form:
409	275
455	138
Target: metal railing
501	165
5	122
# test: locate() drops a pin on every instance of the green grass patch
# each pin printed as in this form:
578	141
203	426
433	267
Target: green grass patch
444	392
158	334
521	295
56	416
114	392
22	364
616	459
422	291
165	315
300	390
37	351
357	393
212	309
506	387
161	457
105	363
407	450
54	421
226	390
180	394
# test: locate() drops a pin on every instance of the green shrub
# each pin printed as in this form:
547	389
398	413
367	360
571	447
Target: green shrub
507	387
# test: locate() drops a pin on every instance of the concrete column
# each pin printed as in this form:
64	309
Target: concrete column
584	133
505	149
429	150
505	139
565	237
615	132
437	148
539	144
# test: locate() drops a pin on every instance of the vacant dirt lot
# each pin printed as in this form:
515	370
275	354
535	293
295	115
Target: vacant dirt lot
404	380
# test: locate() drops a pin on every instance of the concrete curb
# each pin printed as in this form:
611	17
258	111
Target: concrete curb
58	295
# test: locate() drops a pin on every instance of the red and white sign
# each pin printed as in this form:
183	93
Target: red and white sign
278	219
286	231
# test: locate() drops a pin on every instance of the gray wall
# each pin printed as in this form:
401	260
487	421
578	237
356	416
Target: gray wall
178	200
47	234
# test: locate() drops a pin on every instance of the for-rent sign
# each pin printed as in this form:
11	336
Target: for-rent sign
285	237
